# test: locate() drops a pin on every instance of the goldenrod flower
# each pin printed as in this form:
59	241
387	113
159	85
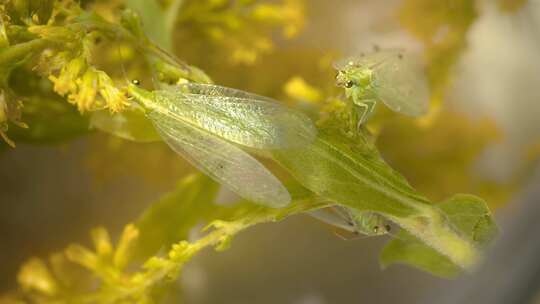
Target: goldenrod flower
114	98
299	89
34	275
66	81
293	14
51	60
290	14
87	91
244	55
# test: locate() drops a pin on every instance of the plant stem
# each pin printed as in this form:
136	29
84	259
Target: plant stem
172	14
16	52
160	59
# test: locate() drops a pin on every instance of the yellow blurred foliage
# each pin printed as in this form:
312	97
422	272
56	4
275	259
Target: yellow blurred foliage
511	6
442	27
440	160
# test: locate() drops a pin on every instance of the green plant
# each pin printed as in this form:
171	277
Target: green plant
87	57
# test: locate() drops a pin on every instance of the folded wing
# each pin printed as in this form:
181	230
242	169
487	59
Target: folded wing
222	161
400	83
244	118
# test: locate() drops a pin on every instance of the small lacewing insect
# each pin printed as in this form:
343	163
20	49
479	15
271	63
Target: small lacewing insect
205	123
388	76
357	222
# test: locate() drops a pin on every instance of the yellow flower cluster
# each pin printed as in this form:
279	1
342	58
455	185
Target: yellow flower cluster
88	88
46	282
85	86
298	89
290	15
242	28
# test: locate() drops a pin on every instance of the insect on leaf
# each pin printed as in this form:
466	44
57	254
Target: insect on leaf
197	120
394	78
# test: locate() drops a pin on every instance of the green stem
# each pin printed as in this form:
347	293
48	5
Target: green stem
19	51
172	14
159	58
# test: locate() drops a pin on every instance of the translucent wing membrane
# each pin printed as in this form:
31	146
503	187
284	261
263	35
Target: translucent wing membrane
223	161
215	90
365	61
401	84
398	80
359	222
238	116
330	217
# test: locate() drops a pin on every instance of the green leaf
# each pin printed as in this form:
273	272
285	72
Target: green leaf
130	125
350	172
154	21
170	219
471	218
406	249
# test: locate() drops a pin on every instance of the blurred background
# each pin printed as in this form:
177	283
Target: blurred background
482	137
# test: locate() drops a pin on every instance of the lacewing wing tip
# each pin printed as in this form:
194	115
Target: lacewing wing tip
278	203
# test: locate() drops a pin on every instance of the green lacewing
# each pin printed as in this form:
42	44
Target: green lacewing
389	76
207	123
358	222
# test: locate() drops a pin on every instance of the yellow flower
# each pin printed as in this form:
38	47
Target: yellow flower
85	96
66	81
124	248
299	89
293	13
114	98
263	44
34	275
290	14
244	55
51	60
3	108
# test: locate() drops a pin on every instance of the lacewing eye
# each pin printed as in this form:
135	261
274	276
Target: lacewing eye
349	84
136	82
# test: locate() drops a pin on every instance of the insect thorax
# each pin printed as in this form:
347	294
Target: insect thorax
362	80
370	223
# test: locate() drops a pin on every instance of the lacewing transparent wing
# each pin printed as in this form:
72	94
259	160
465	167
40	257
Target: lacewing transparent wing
369	60
224	162
200	121
358	222
243	118
396	79
326	215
